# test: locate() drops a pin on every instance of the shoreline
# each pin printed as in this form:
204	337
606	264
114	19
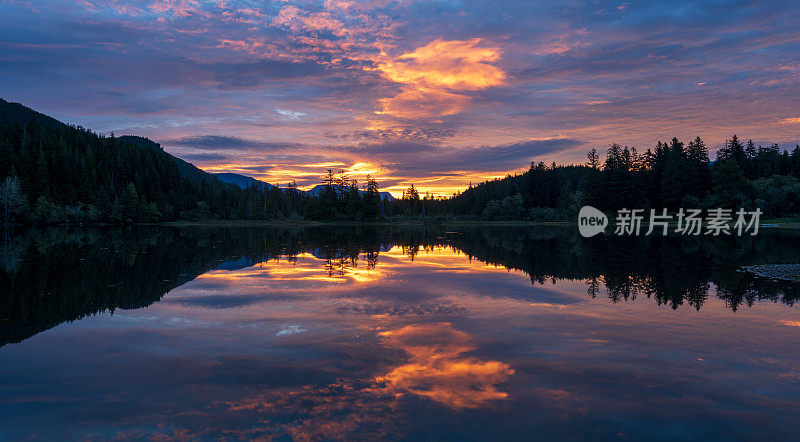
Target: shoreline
776	223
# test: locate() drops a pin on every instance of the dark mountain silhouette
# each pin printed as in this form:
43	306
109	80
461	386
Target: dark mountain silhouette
245	182
185	168
65	174
242	181
17	113
319	190
68	174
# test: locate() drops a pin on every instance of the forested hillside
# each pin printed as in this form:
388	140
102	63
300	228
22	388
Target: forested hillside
671	175
51	173
63	173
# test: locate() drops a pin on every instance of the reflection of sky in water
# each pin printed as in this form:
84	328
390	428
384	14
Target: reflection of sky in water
437	346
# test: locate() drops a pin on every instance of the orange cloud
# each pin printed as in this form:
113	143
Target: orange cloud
433	75
423	103
340	29
300	21
177	8
456	65
251	46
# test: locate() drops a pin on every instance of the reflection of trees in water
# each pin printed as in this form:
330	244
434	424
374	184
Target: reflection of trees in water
338	263
670	270
49	276
339	266
11	253
66	275
412	250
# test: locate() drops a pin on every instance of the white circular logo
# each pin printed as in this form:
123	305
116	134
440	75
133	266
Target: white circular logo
591	221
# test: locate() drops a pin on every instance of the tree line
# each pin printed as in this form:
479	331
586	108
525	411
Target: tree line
128	268
671	175
53	173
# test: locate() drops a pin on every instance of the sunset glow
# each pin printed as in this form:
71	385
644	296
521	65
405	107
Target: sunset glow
439	94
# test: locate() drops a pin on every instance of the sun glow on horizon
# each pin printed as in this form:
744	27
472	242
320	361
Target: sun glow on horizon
408	92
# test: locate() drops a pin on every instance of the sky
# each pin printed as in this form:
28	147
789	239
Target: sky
435	93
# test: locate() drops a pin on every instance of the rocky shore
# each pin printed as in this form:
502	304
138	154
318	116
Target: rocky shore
783	272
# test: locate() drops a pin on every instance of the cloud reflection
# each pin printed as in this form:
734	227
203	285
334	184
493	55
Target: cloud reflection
439	370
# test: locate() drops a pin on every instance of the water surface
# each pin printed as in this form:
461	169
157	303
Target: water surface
395	332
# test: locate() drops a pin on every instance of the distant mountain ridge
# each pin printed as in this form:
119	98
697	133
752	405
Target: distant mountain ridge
242	181
189	170
319	189
61	173
16	112
245	182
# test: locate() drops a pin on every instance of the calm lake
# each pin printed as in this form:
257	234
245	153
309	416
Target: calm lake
391	332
